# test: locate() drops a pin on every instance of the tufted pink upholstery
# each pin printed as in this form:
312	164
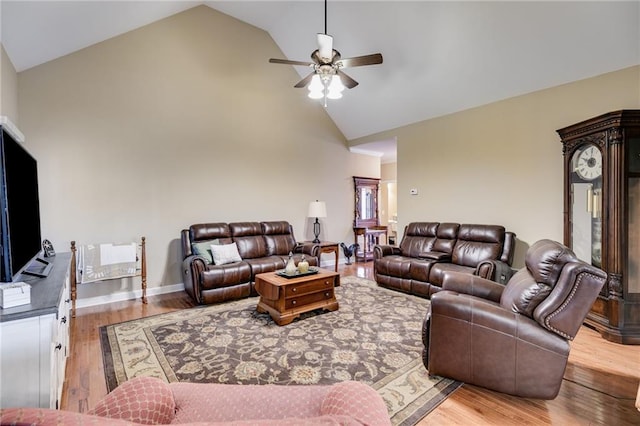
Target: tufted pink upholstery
245	402
356	400
47	417
146	400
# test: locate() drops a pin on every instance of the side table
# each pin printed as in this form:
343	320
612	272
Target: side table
371	236
327	247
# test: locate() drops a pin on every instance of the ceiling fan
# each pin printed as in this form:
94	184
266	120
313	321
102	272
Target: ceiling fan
327	79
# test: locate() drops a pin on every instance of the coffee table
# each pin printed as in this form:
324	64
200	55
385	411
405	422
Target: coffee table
286	298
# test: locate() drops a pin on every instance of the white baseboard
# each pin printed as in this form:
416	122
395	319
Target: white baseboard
327	264
154	291
127	295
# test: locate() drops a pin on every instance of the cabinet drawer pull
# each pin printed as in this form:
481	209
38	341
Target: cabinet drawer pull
327	294
63	320
293	302
58	346
294	289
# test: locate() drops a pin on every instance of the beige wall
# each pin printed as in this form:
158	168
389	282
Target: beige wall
8	88
501	163
388	197
389	171
183	121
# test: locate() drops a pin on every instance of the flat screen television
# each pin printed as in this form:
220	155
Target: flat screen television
20	207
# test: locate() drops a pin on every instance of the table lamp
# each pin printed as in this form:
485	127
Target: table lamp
317	209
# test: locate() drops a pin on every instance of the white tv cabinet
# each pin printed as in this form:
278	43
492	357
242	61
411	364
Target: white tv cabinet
34	341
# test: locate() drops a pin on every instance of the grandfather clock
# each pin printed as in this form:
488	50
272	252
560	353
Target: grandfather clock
602	215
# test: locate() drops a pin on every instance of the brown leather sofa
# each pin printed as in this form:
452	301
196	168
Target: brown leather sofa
263	247
429	249
514	338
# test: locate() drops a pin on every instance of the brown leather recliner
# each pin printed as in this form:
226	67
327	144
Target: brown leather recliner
514	338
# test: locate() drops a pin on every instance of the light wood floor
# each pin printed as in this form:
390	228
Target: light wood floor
599	387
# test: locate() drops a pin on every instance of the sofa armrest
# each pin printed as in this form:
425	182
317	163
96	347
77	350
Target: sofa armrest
358	401
192	268
146	400
473	285
310	249
436	255
494	270
380	251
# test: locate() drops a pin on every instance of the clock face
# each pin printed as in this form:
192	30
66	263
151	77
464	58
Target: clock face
589	163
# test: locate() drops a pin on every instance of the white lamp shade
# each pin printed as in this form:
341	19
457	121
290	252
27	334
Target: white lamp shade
316	88
317	209
316	95
336	84
334	95
316	84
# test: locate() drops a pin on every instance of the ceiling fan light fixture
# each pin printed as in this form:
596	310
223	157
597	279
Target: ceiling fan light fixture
336	84
327	80
316	84
334	95
335	88
316	94
316	88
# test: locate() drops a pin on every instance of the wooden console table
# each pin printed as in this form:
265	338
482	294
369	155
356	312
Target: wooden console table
371	236
366	222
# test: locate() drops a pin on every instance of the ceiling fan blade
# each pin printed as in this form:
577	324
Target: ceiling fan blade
288	62
347	81
325	47
304	81
359	61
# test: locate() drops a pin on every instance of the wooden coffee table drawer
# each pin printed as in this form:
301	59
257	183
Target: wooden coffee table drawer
285	299
307	299
309	287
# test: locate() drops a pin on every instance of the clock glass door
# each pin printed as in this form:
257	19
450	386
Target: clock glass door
586	203
633	227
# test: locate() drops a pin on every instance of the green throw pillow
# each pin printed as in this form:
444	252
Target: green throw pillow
203	248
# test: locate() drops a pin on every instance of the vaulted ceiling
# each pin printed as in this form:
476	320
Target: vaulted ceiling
439	57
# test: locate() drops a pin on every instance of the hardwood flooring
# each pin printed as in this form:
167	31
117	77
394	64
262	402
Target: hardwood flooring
599	387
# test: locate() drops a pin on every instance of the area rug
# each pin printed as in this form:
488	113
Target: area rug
374	337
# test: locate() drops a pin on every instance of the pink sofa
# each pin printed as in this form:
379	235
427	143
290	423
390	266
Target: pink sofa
150	401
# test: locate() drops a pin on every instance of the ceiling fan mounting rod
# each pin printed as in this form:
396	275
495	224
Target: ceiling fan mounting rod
325	17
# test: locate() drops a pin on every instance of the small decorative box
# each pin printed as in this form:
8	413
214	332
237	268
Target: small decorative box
14	294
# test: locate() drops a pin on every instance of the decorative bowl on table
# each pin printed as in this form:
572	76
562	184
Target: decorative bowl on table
312	270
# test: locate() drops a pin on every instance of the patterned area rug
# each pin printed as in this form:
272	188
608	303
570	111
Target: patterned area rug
374	337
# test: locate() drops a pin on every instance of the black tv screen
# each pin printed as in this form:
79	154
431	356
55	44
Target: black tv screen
21	238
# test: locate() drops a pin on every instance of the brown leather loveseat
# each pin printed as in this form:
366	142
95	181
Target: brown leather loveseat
262	247
429	249
514	338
